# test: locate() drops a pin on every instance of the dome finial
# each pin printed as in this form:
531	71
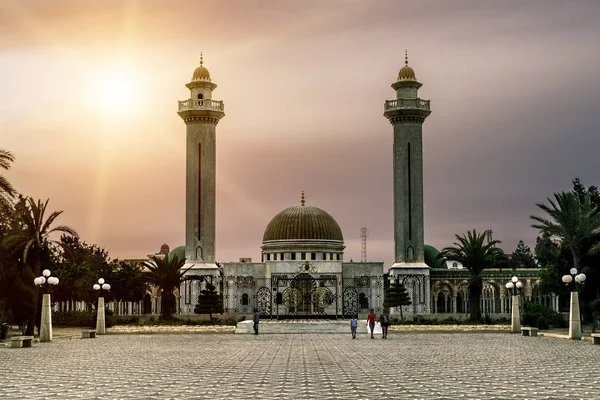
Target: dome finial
406	73
201	59
302	201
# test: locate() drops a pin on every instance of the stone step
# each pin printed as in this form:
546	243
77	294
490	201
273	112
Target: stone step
304	326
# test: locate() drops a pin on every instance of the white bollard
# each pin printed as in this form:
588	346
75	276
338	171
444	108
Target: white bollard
46	322
574	318
515	326
100	321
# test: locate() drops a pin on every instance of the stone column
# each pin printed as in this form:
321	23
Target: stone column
100	321
574	318
515	322
46	323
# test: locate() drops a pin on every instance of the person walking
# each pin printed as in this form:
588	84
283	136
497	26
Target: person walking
371	322
385	322
353	325
255	319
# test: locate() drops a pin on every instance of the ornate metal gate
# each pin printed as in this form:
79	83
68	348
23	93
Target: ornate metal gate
306	294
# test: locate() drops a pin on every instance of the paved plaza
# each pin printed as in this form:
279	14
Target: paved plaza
308	366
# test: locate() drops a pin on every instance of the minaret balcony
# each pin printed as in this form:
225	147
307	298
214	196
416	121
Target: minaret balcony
201	104
406	104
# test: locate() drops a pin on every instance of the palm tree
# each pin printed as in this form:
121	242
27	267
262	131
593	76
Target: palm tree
167	275
7	192
573	219
475	255
29	236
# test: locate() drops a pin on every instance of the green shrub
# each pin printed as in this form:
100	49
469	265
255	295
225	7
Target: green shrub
449	321
539	316
80	318
127	320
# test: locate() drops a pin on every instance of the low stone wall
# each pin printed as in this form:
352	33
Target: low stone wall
448	328
171	329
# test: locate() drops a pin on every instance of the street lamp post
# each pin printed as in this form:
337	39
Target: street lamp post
515	324
100	319
45	282
574	315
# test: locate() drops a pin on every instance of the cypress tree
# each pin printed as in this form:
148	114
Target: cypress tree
396	296
209	302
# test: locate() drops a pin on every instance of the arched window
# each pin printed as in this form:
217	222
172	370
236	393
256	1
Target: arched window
441	303
460	301
200	96
454	265
410	253
245	299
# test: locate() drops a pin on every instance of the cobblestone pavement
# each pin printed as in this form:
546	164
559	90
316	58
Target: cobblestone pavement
309	366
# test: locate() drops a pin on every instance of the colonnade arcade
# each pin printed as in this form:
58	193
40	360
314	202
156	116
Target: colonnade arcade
450	295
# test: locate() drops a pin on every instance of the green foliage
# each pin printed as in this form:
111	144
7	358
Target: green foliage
475	254
167	274
85	263
595	311
7	192
84	319
539	316
546	251
209	301
573	223
572	218
27	237
127	281
396	296
522	257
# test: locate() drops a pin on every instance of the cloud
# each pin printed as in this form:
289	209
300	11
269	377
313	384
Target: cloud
514	101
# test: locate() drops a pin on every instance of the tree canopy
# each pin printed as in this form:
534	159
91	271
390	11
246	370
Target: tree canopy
209	301
167	274
475	253
396	296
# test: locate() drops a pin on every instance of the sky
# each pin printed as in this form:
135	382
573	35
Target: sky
89	91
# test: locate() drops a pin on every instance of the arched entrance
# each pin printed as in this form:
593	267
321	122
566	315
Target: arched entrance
304	285
309	295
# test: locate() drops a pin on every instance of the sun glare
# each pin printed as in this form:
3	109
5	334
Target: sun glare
118	93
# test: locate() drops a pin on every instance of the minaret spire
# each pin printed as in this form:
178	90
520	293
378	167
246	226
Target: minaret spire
302	201
407	112
201	114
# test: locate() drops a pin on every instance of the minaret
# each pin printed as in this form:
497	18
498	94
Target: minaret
407	114
201	115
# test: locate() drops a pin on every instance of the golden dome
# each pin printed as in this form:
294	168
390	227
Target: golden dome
303	223
201	72
406	73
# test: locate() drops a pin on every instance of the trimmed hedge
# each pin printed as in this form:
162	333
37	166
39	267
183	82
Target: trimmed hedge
539	316
80	318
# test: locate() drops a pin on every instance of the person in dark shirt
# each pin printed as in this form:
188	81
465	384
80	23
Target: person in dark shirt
256	318
385	322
